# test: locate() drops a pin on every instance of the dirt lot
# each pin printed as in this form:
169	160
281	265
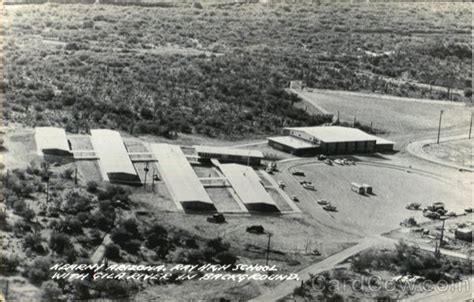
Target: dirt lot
368	214
459	152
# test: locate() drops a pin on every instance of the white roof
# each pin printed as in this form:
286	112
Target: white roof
229	151
333	134
113	155
246	184
291	141
51	138
178	174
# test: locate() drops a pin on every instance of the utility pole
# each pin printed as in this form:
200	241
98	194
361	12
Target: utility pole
353	125
47	186
75	176
153	181
439	126
146	172
338	116
268	248
470	127
442	234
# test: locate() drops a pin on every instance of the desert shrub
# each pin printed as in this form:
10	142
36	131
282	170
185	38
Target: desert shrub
9	263
226	258
21	227
39	270
34	242
71	226
112	251
50	292
127	235
76	202
67	174
59	242
92	186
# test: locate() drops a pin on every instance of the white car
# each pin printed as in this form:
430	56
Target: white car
308	186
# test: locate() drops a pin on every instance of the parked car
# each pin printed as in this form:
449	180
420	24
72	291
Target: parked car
330	208
281	184
216	218
255	229
468	210
413	206
316	252
322	157
339	162
298	173
322	202
328	162
451	214
295	198
308	186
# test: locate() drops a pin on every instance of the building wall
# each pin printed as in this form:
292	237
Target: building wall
300	134
254	161
298	152
384	148
348	147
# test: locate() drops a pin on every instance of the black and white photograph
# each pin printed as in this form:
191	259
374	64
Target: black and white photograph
236	150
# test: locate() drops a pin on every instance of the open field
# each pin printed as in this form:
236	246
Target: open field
459	152
401	120
368	214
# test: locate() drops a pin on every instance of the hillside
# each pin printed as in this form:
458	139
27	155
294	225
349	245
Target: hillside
221	71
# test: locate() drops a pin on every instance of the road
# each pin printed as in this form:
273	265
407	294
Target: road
416	149
462	291
287	287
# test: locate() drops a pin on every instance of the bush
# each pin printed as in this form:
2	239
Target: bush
92	186
112	251
67	174
9	263
59	242
226	258
50	292
39	270
34	242
71	226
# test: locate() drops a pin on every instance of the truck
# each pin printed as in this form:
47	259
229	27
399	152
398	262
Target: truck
357	188
367	188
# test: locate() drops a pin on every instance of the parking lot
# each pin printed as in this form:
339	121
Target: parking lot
382	211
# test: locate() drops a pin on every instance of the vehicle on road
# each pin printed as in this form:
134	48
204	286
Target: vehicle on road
281	184
295	198
330	208
298	173
308	186
323	202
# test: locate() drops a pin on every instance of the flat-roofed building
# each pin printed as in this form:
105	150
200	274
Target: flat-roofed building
114	162
340	140
229	155
52	141
293	145
181	180
246	183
